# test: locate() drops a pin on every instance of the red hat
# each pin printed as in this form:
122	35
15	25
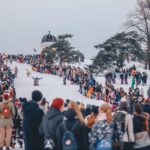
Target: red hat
6	96
57	103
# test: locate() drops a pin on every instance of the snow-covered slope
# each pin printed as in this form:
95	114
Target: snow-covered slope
51	86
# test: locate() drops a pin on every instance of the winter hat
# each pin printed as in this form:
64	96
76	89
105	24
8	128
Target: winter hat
36	96
57	103
6	95
123	106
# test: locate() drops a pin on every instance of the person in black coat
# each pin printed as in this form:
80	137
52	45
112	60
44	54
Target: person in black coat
146	107
32	117
139	123
51	121
79	130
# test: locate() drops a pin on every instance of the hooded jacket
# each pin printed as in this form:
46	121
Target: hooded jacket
79	131
50	123
32	117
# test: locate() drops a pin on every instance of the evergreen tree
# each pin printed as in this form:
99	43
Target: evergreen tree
115	49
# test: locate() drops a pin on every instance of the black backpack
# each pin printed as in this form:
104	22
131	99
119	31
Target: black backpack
69	141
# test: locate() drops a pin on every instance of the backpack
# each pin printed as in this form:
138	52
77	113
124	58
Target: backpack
103	144
6	112
120	118
69	141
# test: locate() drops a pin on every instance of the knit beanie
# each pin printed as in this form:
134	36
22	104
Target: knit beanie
57	103
36	96
6	95
123	106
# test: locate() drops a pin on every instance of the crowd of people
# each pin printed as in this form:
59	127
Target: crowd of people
122	123
67	125
138	78
88	86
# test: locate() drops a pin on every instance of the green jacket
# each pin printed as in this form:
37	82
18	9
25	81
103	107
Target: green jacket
7	121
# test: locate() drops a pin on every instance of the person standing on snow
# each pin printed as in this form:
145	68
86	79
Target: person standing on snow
50	123
28	73
148	92
133	83
32	118
16	71
7	112
64	80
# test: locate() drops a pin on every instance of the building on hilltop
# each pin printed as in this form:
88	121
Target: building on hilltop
48	40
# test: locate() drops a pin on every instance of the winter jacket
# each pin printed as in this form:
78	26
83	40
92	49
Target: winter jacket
146	108
50	123
100	130
79	131
139	122
32	117
129	129
7	121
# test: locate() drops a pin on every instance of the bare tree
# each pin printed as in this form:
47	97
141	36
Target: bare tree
139	20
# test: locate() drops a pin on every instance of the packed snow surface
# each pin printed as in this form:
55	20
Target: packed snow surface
50	85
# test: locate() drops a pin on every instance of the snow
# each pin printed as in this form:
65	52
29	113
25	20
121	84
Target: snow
50	85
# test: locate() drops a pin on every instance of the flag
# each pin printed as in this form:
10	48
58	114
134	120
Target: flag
35	50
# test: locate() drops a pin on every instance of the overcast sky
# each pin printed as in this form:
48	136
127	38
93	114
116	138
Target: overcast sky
24	22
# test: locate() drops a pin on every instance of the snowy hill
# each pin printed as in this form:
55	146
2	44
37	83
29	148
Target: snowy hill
51	86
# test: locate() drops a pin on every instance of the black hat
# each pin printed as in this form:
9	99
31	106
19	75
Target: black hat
123	106
70	114
36	96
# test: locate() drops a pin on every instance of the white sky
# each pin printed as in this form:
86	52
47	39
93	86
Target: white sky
24	22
